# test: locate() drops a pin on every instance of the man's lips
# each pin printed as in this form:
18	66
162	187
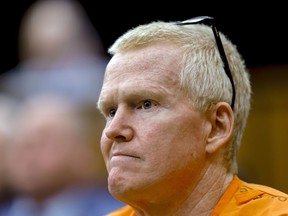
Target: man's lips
123	154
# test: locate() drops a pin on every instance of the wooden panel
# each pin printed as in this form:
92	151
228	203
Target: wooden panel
263	156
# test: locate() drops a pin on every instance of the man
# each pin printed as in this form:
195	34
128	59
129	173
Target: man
53	163
8	107
175	108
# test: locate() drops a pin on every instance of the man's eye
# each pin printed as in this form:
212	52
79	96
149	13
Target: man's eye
147	104
112	112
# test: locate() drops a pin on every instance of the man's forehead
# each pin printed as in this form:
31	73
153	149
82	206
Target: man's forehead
143	56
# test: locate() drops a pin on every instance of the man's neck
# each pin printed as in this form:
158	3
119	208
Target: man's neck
200	202
214	189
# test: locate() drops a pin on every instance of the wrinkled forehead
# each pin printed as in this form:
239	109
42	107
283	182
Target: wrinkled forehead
152	60
149	67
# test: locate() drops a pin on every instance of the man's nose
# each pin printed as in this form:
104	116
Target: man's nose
119	128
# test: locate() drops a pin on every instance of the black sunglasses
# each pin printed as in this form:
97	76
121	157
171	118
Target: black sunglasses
211	22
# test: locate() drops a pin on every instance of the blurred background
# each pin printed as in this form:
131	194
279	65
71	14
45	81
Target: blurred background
260	34
260	31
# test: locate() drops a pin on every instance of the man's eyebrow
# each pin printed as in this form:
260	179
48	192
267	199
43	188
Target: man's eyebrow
141	93
101	104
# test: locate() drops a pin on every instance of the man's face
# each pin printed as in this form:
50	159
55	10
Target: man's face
154	141
42	154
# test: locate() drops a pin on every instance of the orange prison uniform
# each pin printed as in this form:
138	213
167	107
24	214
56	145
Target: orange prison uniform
241	198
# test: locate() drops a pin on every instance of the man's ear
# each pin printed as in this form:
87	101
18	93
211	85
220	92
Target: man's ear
222	121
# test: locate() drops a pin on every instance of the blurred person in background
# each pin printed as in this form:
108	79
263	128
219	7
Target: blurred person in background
60	54
54	161
59	51
8	108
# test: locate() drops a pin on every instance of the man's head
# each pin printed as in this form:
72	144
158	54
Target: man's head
166	99
57	29
54	147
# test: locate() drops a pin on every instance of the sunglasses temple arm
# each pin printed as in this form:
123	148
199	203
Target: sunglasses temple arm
225	62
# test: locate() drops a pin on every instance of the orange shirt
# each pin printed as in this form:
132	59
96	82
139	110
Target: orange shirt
240	198
124	211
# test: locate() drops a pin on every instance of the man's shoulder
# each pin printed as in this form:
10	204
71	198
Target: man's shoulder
260	199
243	198
263	188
